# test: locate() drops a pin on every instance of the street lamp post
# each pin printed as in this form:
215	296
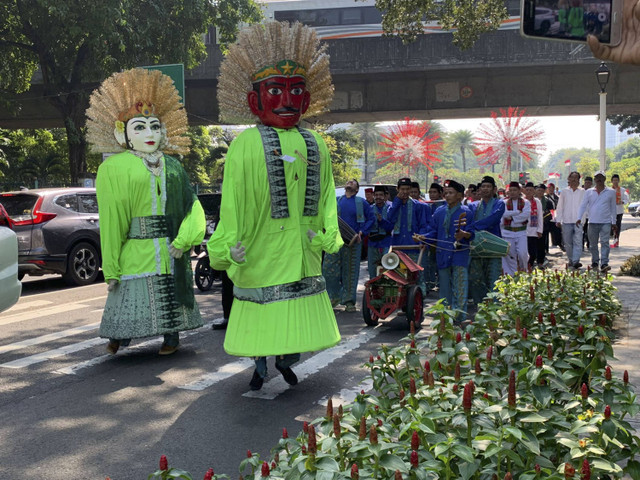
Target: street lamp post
602	75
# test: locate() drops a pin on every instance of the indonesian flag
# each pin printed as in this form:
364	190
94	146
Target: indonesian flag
567	162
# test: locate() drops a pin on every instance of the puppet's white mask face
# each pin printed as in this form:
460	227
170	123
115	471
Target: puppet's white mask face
144	134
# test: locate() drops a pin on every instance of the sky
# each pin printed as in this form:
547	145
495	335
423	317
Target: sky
560	132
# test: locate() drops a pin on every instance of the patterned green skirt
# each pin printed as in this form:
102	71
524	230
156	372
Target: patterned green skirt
145	307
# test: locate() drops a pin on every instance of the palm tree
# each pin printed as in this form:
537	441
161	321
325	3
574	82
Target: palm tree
369	133
463	140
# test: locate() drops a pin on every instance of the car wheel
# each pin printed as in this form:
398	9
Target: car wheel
83	265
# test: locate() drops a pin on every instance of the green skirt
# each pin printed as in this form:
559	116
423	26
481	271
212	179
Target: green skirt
279	328
145	307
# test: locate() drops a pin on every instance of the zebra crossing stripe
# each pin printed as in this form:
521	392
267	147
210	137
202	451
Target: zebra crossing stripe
276	386
224	372
47	338
49	354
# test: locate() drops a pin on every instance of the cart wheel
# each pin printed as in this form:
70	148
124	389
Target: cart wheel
415	306
203	274
370	318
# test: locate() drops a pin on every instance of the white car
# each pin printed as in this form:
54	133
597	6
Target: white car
10	286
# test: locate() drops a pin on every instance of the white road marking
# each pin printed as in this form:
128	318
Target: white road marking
49	354
25	305
224	372
44	312
274	387
47	338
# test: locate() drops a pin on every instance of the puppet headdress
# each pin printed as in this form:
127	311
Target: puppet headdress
136	93
273	49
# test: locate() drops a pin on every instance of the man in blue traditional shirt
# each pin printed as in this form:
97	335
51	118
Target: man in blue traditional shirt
487	214
380	234
408	217
341	270
448	230
429	258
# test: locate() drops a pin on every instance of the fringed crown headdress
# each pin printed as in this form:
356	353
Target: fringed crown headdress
136	93
273	49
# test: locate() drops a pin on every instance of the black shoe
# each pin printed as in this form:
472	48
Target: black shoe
594	266
577	265
220	325
605	268
256	381
288	375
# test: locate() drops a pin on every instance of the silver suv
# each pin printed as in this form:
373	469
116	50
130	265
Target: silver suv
57	231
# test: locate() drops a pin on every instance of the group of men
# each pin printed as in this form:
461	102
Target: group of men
523	215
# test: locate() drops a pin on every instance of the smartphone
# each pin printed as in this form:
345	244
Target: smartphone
572	20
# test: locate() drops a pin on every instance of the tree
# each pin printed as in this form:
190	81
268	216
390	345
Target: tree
369	134
467	19
75	43
627	149
628	123
462	140
345	149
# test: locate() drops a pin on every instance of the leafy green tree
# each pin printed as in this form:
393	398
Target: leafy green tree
468	19
587	166
369	134
204	162
628	123
629	148
345	149
462	140
74	43
629	171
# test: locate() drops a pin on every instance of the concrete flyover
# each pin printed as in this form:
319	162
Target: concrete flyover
380	79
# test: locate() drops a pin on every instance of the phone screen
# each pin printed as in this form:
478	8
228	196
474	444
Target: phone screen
567	19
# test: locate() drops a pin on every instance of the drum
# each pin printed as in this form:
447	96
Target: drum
348	234
488	245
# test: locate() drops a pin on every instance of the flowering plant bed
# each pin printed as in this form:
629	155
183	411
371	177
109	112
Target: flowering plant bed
525	391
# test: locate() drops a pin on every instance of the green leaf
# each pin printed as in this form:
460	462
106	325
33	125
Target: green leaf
633	469
327	464
393	462
535	418
325	475
605	466
609	428
467	470
464	452
515	432
542	394
531	442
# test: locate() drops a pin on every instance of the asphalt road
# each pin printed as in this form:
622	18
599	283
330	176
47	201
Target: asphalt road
69	411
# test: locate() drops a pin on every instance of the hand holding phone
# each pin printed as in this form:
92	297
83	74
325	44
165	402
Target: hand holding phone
628	50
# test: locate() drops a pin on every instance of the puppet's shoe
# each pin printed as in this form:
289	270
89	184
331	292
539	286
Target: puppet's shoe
350	307
288	375
167	349
113	346
256	381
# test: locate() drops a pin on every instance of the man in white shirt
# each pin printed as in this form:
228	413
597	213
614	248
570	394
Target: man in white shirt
600	204
513	228
622	198
567	216
535	225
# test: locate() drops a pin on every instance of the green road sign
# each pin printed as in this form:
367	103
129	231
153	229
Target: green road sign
176	72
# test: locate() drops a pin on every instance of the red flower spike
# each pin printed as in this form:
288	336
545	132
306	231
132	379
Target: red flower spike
397	475
415	441
249	454
473	386
586	470
455	388
362	432
401	395
583	304
584	391
532	294
276	458
512	389
412	386
467	336
536	467
304	450
265	469
376	408
552	319
427	366
466	397
378	357
607	373
336	426
412	328
603	320
489	353
305	427
508	476
329	414
525	333
164	463
285	434
540	319
355	475
607	412
414	459
580	331
209	475
439	344
425	377
273	465
362	392
478	368
550	351
313	447
458	337
340	411
486	395
373	435
518	324
379	422
413	344
456	373
569	470
625	377
431	380
539	361
370	358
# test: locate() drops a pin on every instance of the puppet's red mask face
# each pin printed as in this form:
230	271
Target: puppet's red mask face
280	101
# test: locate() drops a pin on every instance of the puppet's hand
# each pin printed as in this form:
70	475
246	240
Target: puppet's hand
311	234
175	252
237	253
112	283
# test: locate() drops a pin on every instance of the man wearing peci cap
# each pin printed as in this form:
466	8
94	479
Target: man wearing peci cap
451	228
380	234
368	195
534	226
514	229
599	203
487	214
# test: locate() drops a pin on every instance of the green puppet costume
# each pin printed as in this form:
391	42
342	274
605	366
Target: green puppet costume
149	215
280	305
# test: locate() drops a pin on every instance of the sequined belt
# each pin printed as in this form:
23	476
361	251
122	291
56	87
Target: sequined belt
153	226
278	293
